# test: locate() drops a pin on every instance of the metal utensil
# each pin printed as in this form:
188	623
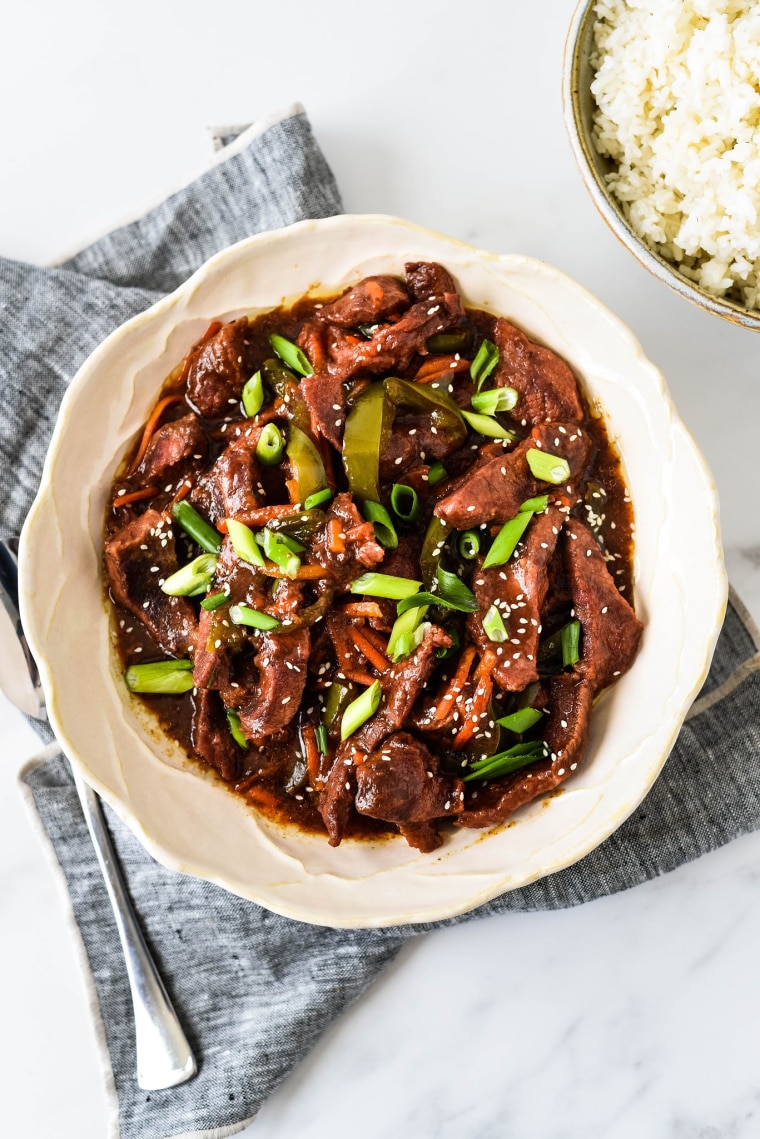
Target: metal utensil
164	1057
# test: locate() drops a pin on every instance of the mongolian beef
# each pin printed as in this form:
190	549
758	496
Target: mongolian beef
369	562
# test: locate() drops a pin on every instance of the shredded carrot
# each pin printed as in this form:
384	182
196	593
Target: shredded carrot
362	609
367	649
377	639
134	496
306	573
312	753
456	685
335	541
183	492
151	426
212	330
292	489
221	526
436	367
359	677
480	698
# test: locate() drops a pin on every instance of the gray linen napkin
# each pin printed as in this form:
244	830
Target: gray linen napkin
254	990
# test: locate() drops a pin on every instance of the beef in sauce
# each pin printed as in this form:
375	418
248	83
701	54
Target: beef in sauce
371	562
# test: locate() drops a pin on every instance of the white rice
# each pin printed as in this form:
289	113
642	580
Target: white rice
678	90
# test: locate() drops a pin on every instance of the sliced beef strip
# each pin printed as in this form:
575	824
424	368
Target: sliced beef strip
228	489
393	346
428	279
518	589
373	299
240	580
547	388
336	799
325	398
218	370
422	836
361	552
610	630
311	341
499	481
401	687
566	734
211	662
211	736
412	441
175	449
282	662
400	783
137	557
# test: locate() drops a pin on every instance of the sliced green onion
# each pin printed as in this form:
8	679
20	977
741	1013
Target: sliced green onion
485	361
493	626
318	498
507	762
215	600
253	395
244	615
291	355
385	585
360	710
321	733
448	342
278	548
368	330
405	502
385	531
506	540
570	637
271	445
426	598
494	400
436	473
197	527
233	722
163	677
191	578
244	543
452	589
522	720
485	425
403	628
468	544
535	505
548	468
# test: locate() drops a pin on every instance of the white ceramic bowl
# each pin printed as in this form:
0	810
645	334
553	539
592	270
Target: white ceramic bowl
192	823
579	108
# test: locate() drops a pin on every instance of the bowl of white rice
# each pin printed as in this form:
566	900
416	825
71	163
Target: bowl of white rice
662	104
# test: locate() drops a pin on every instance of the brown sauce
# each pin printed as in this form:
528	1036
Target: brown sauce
269	786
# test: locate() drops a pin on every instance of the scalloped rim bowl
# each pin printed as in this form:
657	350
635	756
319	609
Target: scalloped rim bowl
192	823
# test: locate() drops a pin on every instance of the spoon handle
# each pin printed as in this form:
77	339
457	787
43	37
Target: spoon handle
164	1058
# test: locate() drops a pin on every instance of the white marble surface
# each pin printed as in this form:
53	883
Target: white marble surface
633	1016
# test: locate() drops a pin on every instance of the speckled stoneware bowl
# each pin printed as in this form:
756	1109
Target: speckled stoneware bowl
579	108
191	822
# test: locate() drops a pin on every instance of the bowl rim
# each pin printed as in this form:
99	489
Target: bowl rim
163	308
605	203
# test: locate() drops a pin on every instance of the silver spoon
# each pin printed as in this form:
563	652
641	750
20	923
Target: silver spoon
164	1058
